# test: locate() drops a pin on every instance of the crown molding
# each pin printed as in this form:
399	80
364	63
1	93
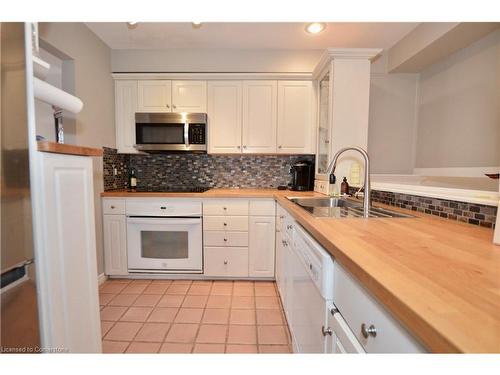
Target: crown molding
344	54
214	76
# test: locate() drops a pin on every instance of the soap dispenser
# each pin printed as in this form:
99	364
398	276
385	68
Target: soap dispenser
344	187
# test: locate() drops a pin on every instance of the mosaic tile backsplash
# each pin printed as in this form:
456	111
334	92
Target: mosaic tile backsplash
261	171
476	214
220	171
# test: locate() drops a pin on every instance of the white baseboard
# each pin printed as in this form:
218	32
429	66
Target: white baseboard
101	279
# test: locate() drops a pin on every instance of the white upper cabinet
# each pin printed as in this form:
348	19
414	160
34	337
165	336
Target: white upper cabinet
296	130
154	96
224	116
259	116
189	96
125	107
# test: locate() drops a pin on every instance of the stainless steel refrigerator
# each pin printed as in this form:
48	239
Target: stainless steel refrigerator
19	313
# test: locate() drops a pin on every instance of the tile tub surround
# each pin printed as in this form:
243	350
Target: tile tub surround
471	213
184	316
215	171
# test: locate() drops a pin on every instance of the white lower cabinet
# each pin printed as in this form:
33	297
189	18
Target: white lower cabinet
239	237
65	251
372	325
226	261
115	245
261	246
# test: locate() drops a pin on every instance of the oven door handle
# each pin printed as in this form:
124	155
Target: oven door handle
186	134
163	221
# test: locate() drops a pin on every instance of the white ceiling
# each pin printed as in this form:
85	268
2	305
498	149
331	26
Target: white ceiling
241	35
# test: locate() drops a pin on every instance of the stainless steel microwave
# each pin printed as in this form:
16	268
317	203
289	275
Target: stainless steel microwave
181	132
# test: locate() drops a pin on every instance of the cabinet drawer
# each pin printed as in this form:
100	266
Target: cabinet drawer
226	223
113	206
223	238
263	207
228	207
358	307
226	261
163	207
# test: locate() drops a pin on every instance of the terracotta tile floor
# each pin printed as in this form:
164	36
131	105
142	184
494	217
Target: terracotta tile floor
184	316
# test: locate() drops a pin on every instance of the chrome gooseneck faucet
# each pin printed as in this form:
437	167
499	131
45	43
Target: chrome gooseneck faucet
366	186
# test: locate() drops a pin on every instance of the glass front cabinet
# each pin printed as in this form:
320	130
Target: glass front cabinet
324	124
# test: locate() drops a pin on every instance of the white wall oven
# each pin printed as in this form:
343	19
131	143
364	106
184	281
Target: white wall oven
164	236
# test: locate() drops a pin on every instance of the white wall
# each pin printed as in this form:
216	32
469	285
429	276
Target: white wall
214	60
459	109
448	116
93	84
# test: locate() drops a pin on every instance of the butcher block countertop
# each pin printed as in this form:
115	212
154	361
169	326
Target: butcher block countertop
62	148
439	278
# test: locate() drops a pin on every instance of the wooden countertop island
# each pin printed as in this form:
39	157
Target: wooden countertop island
439	278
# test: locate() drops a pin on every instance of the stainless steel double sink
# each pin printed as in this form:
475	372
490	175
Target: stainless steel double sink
342	208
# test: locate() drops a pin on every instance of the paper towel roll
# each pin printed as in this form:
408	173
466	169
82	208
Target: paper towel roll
56	97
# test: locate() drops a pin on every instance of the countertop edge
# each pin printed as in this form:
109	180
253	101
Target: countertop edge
67	149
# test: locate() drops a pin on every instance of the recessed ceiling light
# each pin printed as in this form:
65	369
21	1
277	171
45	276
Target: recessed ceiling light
196	25
315	27
132	25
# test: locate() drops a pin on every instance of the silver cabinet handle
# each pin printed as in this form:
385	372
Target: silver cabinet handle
368	331
225	262
326	331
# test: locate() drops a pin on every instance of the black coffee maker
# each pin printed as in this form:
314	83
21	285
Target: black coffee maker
302	175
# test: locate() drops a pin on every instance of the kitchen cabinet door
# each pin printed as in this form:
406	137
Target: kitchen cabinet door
125	107
261	246
280	265
154	96
296	130
189	96
115	245
259	116
224	116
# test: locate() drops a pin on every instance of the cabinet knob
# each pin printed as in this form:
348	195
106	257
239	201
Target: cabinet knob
288	227
163	208
238	147
245	147
327	141
225	262
168	106
326	331
225	239
368	331
112	207
225	224
225	208
279	147
282	217
174	107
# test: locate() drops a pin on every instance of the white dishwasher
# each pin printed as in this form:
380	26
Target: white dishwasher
312	293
